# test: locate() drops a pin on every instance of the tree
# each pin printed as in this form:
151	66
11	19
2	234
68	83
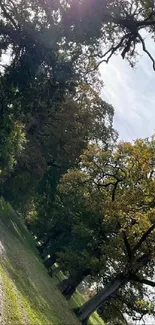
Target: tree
33	40
88	234
57	144
74	30
109	27
34	78
36	74
56	135
120	183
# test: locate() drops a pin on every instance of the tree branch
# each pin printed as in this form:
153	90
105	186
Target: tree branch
145	23
143	238
7	15
144	281
131	40
112	50
103	185
152	14
127	245
131	305
114	189
146	51
51	164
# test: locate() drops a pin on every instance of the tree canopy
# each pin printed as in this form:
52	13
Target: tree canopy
109	27
57	35
117	184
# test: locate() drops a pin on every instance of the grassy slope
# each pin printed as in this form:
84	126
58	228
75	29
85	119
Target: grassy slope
30	295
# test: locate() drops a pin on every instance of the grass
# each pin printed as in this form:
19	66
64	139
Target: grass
10	302
77	300
30	295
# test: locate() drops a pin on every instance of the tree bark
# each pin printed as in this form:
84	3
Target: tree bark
103	295
50	261
68	286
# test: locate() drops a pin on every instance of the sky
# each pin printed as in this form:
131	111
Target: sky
132	94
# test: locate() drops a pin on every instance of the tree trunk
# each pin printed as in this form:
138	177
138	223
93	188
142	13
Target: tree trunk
42	247
41	237
103	295
68	286
45	253
45	247
50	261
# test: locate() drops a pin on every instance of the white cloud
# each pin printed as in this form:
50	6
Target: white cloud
132	93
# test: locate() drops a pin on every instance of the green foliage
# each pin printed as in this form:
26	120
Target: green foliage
46	91
111	200
12	143
56	136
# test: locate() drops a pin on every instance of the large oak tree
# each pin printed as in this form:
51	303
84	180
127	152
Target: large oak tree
120	184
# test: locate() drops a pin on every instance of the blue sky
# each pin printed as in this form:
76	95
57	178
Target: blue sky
132	93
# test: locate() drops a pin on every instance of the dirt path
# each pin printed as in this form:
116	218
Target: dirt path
22	311
24	317
1	302
24	320
2	254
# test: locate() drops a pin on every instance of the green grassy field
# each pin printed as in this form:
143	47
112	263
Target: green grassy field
28	294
